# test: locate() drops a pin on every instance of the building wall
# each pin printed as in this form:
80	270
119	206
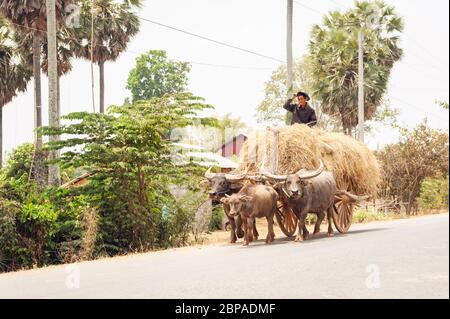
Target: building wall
233	147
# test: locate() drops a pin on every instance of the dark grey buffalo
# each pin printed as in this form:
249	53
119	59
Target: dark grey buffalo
222	184
310	192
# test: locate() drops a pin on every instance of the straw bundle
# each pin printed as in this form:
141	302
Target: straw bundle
354	166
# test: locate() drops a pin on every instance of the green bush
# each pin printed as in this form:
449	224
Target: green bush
34	226
129	151
434	193
364	216
126	206
32	233
217	218
311	219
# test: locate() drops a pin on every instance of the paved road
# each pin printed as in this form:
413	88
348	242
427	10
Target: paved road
394	259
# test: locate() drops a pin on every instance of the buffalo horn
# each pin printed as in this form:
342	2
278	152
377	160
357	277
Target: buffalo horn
234	178
310	174
208	174
278	178
350	197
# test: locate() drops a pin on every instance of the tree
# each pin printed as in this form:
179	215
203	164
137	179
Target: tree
155	76
134	164
14	76
443	104
114	25
270	110
421	153
65	37
54	177
333	52
30	18
434	193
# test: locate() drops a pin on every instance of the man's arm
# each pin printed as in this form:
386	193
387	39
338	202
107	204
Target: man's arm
289	106
312	118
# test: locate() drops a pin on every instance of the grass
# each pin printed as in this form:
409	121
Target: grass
367	216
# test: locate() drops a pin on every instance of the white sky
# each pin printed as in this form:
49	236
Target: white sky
257	25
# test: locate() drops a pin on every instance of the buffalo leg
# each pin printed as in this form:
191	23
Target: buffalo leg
244	223
320	218
239	231
255	231
233	238
270	232
330	219
305	232
250	222
300	228
301	225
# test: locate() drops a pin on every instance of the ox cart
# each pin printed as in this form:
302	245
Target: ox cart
288	222
291	149
342	215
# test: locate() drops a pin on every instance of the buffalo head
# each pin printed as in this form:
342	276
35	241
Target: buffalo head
293	185
237	203
220	183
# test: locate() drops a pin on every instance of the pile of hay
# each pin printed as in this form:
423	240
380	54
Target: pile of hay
354	166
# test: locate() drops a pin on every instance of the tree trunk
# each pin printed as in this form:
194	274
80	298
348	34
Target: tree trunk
1	136
37	40
39	171
101	66
290	10
346	127
54	178
58	88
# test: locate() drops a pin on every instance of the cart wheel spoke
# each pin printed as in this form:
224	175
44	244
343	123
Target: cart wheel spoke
286	220
342	213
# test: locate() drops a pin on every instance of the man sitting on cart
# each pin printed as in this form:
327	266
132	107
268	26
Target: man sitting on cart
302	113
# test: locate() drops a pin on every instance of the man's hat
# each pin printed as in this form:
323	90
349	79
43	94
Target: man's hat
305	95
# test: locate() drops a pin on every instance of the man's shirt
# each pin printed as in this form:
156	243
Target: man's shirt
301	115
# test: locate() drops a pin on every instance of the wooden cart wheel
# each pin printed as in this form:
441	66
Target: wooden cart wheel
342	214
286	219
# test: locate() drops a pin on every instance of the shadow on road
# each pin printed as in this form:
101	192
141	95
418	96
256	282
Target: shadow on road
322	236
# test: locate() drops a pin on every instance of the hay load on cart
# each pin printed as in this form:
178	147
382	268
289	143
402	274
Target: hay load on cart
287	150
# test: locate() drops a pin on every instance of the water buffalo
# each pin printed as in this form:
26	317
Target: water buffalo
254	201
310	192
222	184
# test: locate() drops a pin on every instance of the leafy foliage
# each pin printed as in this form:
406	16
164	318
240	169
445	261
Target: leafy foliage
155	76
434	193
270	110
114	25
129	151
15	76
422	153
126	205
333	52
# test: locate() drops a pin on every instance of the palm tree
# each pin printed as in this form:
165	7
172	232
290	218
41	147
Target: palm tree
113	27
334	59
64	53
29	16
14	76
